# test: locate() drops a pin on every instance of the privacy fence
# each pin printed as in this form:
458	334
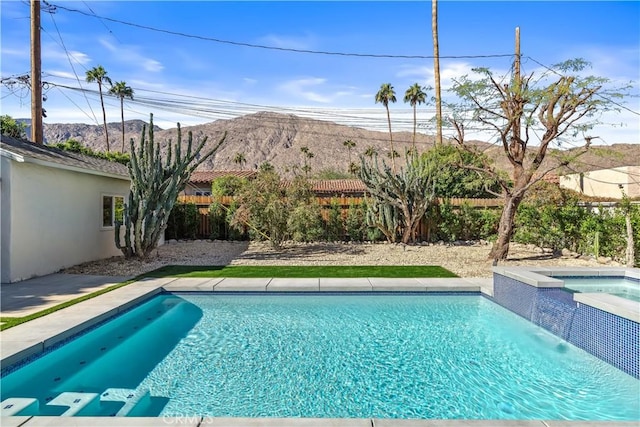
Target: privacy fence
424	231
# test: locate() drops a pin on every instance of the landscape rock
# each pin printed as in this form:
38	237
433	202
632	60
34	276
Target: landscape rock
465	261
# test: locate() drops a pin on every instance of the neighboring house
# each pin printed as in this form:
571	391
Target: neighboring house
200	182
57	208
335	187
605	182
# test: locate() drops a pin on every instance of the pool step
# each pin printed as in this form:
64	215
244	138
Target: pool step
75	401
130	397
13	405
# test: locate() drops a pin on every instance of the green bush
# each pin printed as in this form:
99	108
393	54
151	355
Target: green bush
465	222
75	146
183	222
263	209
305	223
334	224
10	127
356	223
230	185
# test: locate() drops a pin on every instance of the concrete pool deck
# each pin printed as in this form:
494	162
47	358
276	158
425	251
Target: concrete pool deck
33	337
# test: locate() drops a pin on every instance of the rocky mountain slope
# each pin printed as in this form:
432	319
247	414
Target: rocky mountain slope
278	139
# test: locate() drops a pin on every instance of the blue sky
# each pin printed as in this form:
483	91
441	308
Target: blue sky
191	80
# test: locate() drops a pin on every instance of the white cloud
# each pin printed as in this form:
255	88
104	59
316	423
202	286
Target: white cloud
287	42
153	66
315	89
130	55
64	74
79	57
249	81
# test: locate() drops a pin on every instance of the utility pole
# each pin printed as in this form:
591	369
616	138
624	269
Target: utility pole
517	83
436	69
36	75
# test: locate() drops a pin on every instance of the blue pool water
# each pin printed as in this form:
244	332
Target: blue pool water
619	286
400	356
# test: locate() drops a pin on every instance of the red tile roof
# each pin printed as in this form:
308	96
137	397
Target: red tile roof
334	186
206	177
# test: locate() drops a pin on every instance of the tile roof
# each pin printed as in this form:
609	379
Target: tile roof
335	186
206	177
65	159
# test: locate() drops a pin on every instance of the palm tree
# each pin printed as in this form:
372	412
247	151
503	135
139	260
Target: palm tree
385	95
349	144
239	159
436	69
122	91
370	151
99	75
414	96
307	156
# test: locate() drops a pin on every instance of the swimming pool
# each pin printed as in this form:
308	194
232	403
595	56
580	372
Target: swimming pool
377	355
619	286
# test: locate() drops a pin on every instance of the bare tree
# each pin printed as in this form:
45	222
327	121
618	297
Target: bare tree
524	112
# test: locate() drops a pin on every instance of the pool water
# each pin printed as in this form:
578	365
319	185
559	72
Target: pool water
619	286
352	356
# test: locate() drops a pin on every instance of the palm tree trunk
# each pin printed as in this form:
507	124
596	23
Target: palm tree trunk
436	69
393	157
104	116
414	128
122	120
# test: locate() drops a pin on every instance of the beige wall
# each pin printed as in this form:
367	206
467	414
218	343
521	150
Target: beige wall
52	219
606	182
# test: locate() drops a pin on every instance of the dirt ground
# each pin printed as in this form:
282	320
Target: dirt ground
465	260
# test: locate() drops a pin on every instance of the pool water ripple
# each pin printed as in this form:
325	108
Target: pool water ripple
401	356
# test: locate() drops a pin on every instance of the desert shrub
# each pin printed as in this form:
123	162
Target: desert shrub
217	221
230	185
305	223
355	223
455	181
183	222
262	209
334	224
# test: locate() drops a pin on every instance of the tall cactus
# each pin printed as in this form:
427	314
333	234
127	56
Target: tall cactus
155	184
399	198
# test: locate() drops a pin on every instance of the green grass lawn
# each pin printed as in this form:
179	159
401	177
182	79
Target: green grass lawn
302	271
253	271
9	322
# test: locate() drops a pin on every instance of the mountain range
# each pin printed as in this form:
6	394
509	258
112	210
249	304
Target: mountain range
279	139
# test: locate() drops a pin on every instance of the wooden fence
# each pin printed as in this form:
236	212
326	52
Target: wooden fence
423	232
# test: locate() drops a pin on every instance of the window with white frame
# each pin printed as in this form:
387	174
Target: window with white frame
112	210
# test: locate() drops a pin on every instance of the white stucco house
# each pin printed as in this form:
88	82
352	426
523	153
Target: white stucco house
57	208
605	182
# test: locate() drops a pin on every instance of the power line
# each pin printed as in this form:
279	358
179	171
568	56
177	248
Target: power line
259	46
71	63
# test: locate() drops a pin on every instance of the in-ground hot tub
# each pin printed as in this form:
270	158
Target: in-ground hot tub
604	324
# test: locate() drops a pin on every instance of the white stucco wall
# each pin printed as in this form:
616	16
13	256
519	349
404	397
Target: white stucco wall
54	219
605	182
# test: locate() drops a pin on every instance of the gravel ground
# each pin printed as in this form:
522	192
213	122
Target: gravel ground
465	260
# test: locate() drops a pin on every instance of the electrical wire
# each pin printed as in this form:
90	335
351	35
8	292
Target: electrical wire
258	46
72	67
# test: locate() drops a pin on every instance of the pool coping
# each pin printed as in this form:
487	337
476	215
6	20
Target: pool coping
33	337
539	277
